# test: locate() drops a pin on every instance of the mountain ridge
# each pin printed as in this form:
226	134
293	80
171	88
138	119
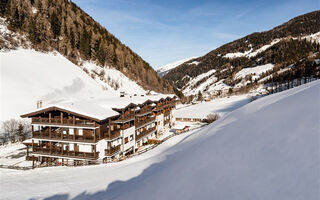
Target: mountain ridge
284	45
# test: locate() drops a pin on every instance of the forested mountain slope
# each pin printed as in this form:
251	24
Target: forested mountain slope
294	45
62	26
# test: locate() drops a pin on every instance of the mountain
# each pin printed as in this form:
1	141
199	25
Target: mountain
61	26
168	67
288	50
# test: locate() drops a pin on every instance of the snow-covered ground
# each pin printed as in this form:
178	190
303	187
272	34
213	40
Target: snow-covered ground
168	67
267	149
220	106
14	155
28	76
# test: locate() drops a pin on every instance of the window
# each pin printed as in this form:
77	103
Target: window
131	137
126	140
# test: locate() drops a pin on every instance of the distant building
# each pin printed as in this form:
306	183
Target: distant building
87	132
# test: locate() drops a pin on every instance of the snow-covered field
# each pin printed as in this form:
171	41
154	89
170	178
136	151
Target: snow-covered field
267	149
220	106
28	76
14	155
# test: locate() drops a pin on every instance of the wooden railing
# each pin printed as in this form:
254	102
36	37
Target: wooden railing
58	121
65	153
112	150
113	134
166	112
61	136
143	122
124	118
144	133
144	111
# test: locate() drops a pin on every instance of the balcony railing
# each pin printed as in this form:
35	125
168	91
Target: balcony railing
68	122
111	151
139	124
166	112
145	133
65	153
61	136
144	112
113	134
125	118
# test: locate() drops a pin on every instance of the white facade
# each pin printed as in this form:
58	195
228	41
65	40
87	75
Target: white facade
173	116
85	148
130	134
159	120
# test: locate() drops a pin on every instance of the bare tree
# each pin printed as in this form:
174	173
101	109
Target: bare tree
10	127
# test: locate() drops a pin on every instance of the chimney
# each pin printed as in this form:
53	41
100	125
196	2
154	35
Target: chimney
39	104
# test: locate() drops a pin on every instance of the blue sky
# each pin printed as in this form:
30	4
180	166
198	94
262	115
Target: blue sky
164	31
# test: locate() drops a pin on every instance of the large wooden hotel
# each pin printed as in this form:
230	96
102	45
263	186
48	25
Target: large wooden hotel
86	132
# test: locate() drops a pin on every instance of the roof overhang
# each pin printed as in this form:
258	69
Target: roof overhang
56	108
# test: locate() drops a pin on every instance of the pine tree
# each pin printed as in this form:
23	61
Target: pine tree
55	25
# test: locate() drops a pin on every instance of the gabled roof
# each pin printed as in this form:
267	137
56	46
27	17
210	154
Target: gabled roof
99	109
85	109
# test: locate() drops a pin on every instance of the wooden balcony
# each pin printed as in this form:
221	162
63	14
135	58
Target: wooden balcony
166	121
166	113
64	137
65	122
144	112
64	153
113	134
124	118
139	124
145	133
112	151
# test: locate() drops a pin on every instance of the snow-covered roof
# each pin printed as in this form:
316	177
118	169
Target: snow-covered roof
100	109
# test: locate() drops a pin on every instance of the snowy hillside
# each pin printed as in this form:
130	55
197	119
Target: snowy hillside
264	150
246	64
166	68
209	84
28	76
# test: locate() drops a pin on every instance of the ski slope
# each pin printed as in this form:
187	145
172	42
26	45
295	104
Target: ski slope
267	149
27	76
